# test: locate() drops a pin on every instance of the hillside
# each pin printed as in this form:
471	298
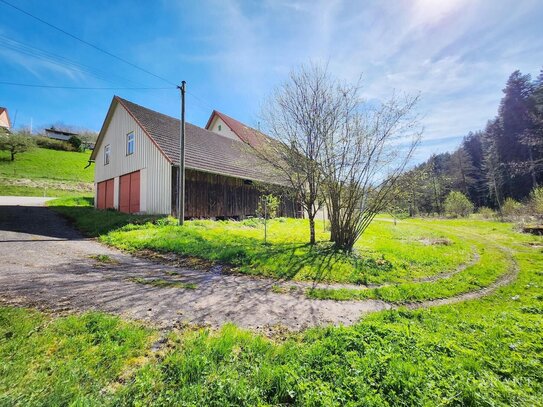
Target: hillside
46	172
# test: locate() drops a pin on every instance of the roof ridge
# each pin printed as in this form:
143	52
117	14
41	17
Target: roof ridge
237	121
177	120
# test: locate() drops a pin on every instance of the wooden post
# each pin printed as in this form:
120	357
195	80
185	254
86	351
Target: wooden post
181	175
265	218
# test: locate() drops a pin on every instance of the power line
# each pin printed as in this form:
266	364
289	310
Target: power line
31	85
86	42
59	60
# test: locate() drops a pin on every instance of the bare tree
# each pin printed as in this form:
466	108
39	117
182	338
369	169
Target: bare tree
363	159
333	148
299	116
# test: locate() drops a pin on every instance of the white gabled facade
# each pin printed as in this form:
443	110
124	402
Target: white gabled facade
218	126
155	169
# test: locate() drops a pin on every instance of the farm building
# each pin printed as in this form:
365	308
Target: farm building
137	162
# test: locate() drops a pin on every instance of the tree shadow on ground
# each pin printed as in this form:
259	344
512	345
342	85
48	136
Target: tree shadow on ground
93	222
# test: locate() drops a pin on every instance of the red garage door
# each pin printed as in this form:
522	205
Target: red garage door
129	197
105	194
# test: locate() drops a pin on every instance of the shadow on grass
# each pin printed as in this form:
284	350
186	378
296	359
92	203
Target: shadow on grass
287	261
93	222
314	262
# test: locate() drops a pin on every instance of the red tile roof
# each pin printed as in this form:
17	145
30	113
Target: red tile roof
246	134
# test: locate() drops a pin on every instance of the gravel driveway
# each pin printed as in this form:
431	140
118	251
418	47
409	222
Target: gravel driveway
46	263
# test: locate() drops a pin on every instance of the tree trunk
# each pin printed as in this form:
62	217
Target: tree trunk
311	228
13	156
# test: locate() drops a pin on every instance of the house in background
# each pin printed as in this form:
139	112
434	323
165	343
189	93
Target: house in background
5	123
137	164
59	134
228	127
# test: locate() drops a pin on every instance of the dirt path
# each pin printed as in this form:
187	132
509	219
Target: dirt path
47	264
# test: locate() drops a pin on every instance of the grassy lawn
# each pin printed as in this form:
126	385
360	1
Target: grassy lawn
44	172
483	352
7	189
480	352
93	222
49	164
74	360
397	263
401	254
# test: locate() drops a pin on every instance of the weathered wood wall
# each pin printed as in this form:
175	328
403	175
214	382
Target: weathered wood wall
217	196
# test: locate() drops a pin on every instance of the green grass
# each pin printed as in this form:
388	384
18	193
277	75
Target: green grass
104	258
75	360
18	190
485	352
396	255
386	253
287	255
494	261
159	282
93	222
42	163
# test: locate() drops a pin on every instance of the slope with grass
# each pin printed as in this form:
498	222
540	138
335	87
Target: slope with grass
42	171
482	352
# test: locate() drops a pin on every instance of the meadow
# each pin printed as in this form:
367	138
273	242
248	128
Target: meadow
482	352
486	352
45	172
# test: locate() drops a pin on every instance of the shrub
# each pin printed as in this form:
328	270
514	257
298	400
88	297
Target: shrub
457	204
167	221
512	208
536	201
486	213
272	205
52	144
75	142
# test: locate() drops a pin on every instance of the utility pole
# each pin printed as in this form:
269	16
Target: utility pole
181	176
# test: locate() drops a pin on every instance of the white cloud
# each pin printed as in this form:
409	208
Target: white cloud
457	53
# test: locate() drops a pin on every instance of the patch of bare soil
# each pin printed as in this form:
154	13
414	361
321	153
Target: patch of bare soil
49	184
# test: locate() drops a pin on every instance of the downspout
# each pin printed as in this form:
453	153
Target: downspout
88	164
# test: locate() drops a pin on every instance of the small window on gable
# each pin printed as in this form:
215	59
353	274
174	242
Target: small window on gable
220	127
130	143
107	150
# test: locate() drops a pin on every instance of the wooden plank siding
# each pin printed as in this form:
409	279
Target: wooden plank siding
218	196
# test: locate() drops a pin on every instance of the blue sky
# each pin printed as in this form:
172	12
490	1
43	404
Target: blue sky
456	53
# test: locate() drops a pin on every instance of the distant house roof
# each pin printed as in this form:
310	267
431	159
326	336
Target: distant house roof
7	124
204	150
247	134
52	130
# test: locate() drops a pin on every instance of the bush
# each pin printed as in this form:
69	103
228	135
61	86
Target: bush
75	142
512	208
486	213
52	144
457	204
272	205
536	201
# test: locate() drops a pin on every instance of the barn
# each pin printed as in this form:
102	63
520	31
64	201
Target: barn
137	162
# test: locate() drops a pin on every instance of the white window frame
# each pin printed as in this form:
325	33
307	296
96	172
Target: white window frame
107	154
130	138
